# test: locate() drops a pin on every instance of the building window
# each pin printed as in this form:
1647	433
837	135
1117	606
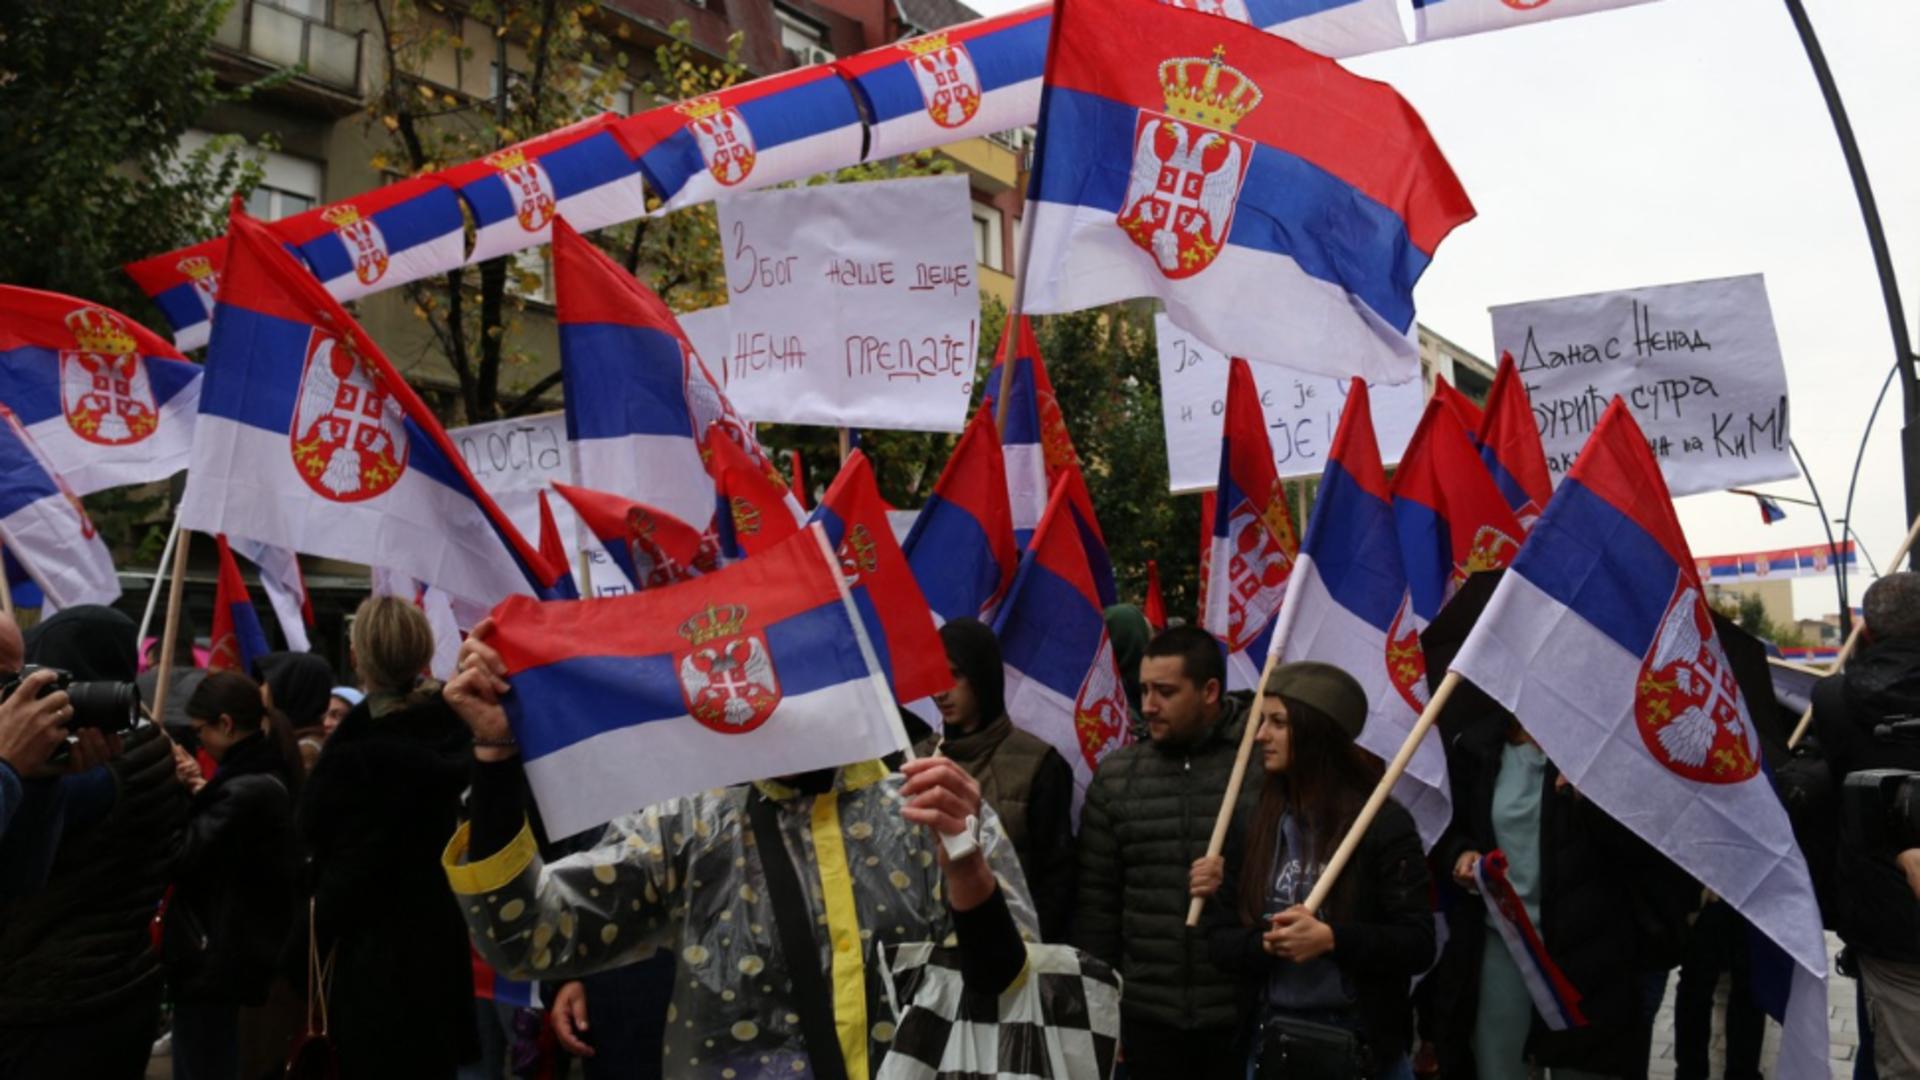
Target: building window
987	247
804	40
530	276
288	185
617	100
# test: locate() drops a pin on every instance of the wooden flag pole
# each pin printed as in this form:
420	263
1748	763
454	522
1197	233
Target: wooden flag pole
1318	897
846	444
1237	777
1853	639
6	593
171	632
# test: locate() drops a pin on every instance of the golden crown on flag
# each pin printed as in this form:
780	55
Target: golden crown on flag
98	330
700	108
507	160
932	43
197	267
1207	91
716	622
341	216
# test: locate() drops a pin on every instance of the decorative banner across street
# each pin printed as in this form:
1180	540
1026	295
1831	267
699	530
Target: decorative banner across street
852	305
1814	560
1697	363
1302	409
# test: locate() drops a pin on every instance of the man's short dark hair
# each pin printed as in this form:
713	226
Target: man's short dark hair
1891	607
1199	653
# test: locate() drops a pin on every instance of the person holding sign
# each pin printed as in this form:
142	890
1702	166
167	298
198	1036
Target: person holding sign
1332	985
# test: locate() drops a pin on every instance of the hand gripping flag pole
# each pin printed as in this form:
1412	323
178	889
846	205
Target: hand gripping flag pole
1853	640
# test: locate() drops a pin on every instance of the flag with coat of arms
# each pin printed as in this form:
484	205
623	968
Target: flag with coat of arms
1451	518
106	400
45	530
237	641
1510	445
1281	207
763	668
1253	544
962	546
309	440
1599	641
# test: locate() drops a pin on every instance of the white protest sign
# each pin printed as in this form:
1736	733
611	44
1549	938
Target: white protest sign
513	460
1697	363
710	330
852	305
1302	411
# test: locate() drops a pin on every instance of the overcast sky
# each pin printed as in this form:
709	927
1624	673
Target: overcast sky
1687	139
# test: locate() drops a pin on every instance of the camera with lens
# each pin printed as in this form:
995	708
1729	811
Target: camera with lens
1880	810
113	707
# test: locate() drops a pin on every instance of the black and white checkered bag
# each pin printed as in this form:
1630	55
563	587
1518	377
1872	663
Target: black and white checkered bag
1060	1020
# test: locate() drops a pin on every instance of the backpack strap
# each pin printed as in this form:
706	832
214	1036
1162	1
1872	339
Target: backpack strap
792	917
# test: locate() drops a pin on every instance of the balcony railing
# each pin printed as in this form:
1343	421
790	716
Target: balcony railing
285	38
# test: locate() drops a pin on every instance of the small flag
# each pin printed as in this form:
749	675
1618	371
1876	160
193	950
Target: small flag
1155	608
237	640
554	549
45	529
1460	405
1254	543
1452	520
651	547
286	588
1510	445
761	669
1770	511
962	546
184	285
797	479
752	511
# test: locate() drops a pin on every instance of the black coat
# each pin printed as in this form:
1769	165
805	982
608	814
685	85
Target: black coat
233	895
1873	909
1605	899
1149	813
1382	920
377	812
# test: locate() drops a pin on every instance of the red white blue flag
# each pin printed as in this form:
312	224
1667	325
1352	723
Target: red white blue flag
1554	996
962	547
1280	206
286	589
308	439
1452	520
1453	18
1329	27
400	232
976	78
1599	640
1510	445
515	194
108	401
1254	544
753	509
184	284
45	529
783	127
237	640
1063	683
1347	604
762	669
651	547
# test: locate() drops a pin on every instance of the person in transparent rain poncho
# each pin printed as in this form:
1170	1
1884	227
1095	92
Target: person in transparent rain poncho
688	874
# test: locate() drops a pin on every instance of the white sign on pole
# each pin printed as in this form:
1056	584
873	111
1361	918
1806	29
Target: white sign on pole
1302	411
513	460
1698	363
852	305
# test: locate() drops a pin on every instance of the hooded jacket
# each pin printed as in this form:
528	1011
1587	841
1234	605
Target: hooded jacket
1875	911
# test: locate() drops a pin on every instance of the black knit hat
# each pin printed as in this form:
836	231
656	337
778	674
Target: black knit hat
972	648
1323	687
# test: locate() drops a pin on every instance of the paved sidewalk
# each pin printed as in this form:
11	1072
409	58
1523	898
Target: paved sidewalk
1842	1028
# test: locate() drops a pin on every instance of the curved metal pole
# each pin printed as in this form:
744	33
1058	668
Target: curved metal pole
1853	481
1882	255
1833	549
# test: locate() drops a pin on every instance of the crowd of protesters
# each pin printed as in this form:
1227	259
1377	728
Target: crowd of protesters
348	877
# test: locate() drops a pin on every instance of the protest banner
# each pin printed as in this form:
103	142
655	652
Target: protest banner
852	305
1302	410
710	330
1697	363
1814	560
513	459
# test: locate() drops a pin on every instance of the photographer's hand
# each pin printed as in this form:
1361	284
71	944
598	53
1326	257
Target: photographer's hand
33	727
1909	861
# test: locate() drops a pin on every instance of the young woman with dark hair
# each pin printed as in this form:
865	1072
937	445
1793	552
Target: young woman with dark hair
1332	985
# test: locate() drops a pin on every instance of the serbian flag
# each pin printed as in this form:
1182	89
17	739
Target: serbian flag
183	285
751	511
1455	18
651	547
797	478
516	193
1155	608
490	985
108	401
1770	511
962	547
1039	452
638	399
45	529
1329	27
280	575
1157	124
1254	543
1460	405
1451	518
1208	501
1347	604
783	127
976	78
1063	683
237	639
1600	641
762	669
898	622
551	547
308	439
401	232
1510	445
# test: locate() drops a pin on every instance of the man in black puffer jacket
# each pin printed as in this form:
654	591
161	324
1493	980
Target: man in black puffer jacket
1149	814
1877	892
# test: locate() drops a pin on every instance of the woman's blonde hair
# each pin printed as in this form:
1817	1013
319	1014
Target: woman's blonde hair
392	643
